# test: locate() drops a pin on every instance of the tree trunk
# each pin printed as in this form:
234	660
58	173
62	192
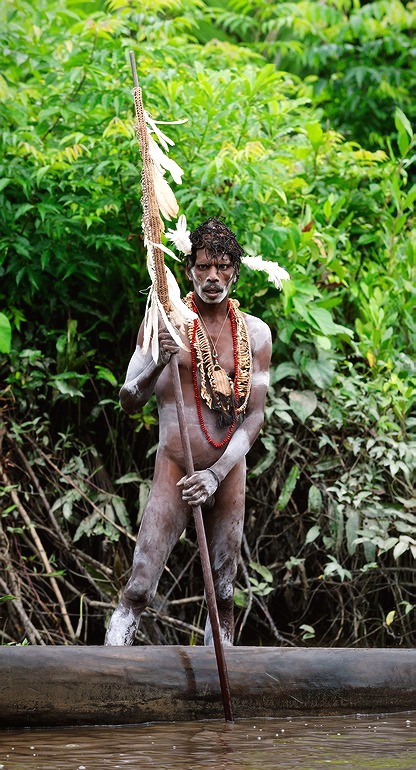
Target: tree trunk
47	686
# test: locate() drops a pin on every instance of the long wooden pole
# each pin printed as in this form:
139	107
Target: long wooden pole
189	465
203	547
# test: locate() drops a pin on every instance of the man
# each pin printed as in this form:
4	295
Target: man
224	370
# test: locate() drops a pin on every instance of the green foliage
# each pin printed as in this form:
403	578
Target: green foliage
261	586
357	57
5	334
262	148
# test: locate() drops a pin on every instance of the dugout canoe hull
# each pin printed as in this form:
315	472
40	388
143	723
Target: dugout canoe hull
51	686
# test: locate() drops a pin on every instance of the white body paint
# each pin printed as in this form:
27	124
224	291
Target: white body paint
173	494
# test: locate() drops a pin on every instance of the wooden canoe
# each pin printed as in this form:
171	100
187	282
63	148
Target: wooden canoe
50	686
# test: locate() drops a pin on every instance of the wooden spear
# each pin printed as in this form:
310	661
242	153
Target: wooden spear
152	229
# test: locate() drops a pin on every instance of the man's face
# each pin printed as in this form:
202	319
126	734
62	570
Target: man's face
212	276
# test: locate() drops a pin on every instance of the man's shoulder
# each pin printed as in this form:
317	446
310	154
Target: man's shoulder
260	336
256	326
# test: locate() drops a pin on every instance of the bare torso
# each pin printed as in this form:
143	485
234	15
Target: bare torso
170	442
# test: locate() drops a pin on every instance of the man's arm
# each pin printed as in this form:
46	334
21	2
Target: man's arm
143	372
202	484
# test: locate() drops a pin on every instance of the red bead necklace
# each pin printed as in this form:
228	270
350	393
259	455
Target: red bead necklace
230	310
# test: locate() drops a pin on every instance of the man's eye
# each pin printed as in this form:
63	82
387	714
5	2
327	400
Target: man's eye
224	267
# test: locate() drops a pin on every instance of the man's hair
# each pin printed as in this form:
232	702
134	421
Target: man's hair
214	236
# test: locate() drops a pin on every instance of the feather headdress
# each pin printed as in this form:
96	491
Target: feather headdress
274	272
180	236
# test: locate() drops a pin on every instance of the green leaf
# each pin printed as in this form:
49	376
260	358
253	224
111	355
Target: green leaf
321	372
263	571
128	478
288	488
303	403
309	631
315	134
312	534
284	370
323	320
121	512
268	458
314	499
5	334
402	122
351	529
401	547
23	209
102	373
66	389
404	142
240	598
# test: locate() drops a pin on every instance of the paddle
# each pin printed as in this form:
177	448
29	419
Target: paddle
153	235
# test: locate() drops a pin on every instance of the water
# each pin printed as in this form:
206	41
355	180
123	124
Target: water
356	742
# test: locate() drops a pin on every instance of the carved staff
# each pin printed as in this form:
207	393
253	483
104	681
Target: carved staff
157	196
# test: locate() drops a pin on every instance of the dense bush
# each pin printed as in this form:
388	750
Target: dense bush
329	548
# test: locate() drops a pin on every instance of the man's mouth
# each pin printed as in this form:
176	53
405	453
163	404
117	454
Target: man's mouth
211	290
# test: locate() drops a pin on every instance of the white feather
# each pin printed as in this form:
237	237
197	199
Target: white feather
162	161
179	317
155	329
147	324
181	312
173	331
180	236
166	250
163	139
275	273
165	198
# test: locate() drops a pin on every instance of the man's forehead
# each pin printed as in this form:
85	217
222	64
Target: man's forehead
205	255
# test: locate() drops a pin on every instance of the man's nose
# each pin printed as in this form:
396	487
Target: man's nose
213	273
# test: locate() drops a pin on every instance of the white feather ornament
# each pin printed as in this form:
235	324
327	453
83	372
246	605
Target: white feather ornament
180	236
179	316
164	163
166	250
166	200
275	273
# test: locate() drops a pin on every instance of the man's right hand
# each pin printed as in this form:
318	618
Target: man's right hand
199	487
167	346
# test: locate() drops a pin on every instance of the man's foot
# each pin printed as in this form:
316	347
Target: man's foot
122	628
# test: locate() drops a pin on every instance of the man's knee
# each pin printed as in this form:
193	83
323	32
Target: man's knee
224	581
138	594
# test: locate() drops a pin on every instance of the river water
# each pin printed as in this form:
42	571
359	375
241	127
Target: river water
357	742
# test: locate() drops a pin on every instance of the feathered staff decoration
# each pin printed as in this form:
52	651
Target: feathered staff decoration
157	199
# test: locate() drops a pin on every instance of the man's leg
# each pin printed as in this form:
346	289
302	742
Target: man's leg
224	529
164	519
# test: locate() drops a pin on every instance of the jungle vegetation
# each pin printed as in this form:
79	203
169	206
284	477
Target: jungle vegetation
299	135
